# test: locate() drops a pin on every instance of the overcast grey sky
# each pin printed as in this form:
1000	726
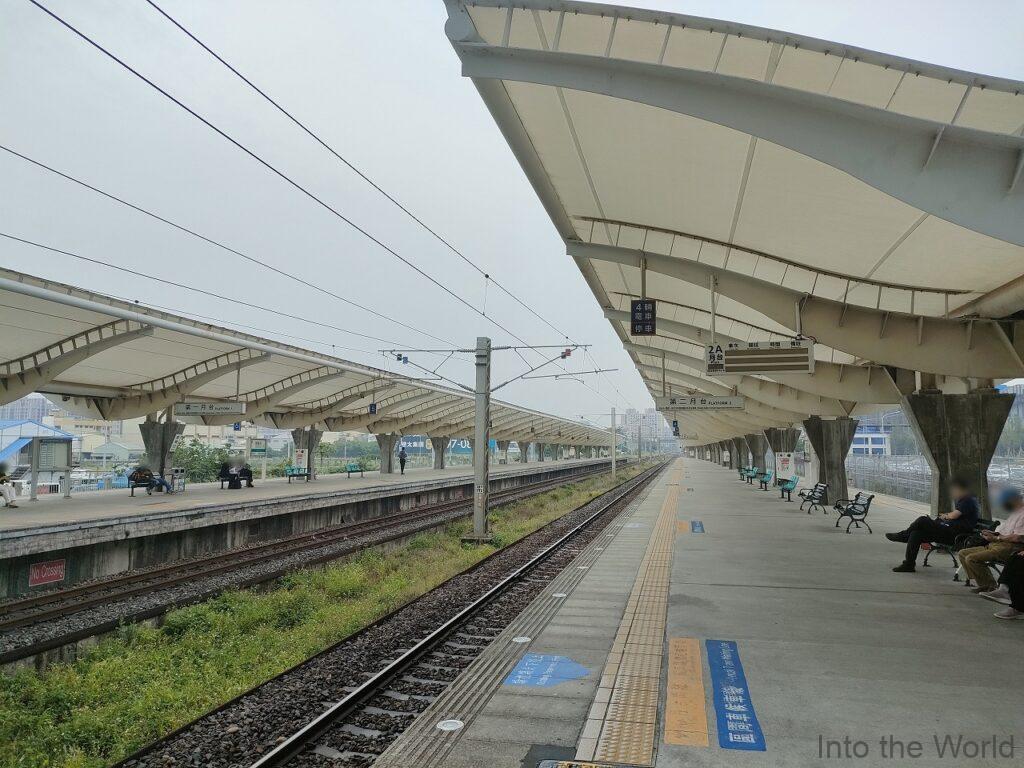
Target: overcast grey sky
380	83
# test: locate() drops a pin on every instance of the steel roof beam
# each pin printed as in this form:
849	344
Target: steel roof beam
952	347
966	179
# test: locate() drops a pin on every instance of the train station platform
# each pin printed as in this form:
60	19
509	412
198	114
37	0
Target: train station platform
102	532
715	624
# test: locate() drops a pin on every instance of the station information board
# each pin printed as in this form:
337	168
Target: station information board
698	403
643	317
760	357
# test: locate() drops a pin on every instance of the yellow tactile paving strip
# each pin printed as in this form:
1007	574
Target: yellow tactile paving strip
622	724
686	719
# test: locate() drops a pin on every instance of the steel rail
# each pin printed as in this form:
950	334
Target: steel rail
295	744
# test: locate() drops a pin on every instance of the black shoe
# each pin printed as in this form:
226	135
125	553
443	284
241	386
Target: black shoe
900	537
905	568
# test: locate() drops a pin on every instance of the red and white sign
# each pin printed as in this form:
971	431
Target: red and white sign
46	573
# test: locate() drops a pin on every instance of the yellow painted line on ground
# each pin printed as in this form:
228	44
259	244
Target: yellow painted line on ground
686	716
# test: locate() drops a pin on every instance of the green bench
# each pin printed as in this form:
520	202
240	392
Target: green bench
291	472
764	479
350	468
786	488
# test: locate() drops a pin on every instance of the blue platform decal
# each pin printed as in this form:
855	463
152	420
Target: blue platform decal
540	670
738	727
696	526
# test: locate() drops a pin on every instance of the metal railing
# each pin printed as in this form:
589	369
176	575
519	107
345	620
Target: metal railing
910	477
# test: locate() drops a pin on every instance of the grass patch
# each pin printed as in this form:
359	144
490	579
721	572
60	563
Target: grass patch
143	682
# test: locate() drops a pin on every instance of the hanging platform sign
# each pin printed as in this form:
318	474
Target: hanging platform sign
760	357
209	409
643	317
698	403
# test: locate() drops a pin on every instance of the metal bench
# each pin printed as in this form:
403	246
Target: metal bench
786	488
855	509
963	541
291	472
816	497
764	480
350	468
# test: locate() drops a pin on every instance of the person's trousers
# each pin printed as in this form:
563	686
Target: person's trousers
401	464
7	492
976	559
1012	578
926	529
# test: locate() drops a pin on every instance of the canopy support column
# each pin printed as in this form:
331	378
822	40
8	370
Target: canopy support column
958	435
831	440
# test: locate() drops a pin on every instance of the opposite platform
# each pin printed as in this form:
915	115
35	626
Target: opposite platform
717	625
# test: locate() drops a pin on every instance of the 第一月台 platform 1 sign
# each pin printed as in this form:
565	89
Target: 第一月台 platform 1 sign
698	403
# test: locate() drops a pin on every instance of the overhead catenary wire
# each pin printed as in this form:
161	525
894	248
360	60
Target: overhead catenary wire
216	243
269	166
351	166
187	287
391	198
283	175
347	163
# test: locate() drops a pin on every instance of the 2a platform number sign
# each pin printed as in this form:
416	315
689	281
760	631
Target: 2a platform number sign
643	316
715	358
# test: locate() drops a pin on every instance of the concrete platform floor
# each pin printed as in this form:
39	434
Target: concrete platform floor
838	652
54	509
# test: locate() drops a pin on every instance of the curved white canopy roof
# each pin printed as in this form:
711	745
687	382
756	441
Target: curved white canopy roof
880	198
114	360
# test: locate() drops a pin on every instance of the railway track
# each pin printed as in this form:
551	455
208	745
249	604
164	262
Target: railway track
349	703
62	604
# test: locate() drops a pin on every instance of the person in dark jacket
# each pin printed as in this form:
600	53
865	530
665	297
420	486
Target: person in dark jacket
402	456
1011	589
942	529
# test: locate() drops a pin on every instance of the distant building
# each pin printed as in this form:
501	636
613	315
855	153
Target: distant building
31	407
872	440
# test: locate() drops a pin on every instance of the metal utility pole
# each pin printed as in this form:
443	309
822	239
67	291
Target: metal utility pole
614	442
482	433
640	439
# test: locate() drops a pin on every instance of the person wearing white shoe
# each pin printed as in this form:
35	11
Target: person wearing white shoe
1012	581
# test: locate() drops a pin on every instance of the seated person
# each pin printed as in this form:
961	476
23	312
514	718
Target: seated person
245	473
1000	546
1011	589
944	529
6	489
234	479
224	473
144	476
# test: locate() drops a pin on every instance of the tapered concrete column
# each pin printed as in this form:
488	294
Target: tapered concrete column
308	438
157	436
541	448
387	452
739	450
958	435
725	451
524	451
831	440
782	440
758	449
440	445
503	451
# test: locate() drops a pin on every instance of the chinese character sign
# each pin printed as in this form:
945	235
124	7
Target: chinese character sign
643	317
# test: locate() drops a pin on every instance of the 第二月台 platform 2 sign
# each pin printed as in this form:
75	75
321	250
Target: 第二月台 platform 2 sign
760	357
698	403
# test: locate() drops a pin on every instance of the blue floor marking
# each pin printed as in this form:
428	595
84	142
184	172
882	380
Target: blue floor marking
539	670
696	526
738	727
